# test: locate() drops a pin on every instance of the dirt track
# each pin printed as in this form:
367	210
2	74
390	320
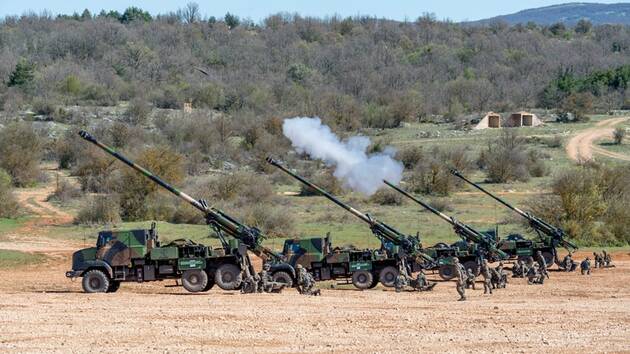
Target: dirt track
580	147
40	310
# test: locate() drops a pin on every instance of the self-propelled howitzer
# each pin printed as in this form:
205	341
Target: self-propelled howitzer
221	222
466	232
410	246
556	235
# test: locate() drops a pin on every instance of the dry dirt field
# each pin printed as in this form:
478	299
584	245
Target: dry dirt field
41	311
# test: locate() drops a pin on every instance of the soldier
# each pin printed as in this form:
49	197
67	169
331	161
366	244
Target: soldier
598	260
402	279
306	283
585	266
460	275
487	277
470	280
607	259
534	276
422	284
568	263
266	283
518	270
502	275
542	264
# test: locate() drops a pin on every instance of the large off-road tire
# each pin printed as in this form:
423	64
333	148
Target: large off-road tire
447	272
362	279
387	276
195	280
283	277
113	286
95	281
228	277
473	266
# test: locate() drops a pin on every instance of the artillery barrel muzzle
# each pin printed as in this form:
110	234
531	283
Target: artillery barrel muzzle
87	136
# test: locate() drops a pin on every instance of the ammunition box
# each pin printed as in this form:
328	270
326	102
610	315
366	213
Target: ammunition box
163	253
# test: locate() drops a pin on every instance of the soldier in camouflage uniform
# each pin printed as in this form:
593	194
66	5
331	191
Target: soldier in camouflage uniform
460	278
502	274
607	259
542	264
585	266
518	269
534	276
421	283
266	283
568	263
487	277
306	283
402	279
470	280
598	260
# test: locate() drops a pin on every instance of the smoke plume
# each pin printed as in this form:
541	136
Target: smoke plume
353	166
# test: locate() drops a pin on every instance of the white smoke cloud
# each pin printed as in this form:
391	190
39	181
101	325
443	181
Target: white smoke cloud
353	166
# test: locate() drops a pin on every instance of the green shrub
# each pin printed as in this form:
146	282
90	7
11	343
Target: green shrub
99	210
20	153
8	204
387	197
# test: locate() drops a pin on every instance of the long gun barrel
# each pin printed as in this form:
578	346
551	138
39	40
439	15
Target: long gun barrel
250	236
381	230
463	230
557	234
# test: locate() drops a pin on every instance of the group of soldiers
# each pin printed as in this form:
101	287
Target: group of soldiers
535	270
532	268
602	260
263	282
404	280
493	278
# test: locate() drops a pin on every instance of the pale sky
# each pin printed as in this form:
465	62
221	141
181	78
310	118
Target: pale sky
258	9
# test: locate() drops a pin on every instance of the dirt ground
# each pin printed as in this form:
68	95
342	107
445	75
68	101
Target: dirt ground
580	147
41	311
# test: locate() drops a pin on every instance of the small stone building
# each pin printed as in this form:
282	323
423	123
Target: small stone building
490	120
523	119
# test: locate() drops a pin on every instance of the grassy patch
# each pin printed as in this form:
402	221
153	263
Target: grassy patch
8	225
11	259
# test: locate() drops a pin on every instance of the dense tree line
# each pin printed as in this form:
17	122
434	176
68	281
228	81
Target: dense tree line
353	72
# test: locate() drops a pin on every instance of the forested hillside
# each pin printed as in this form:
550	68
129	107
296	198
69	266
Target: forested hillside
352	72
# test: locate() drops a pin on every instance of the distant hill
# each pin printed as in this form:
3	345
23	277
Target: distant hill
569	13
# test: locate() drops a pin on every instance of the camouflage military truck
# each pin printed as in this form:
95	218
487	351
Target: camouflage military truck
138	256
518	247
240	239
365	267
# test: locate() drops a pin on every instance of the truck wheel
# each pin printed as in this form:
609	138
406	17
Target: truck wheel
362	279
195	280
228	277
388	276
283	277
113	286
95	281
472	265
447	272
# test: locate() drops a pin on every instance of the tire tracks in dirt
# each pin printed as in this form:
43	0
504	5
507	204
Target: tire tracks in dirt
580	147
31	237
